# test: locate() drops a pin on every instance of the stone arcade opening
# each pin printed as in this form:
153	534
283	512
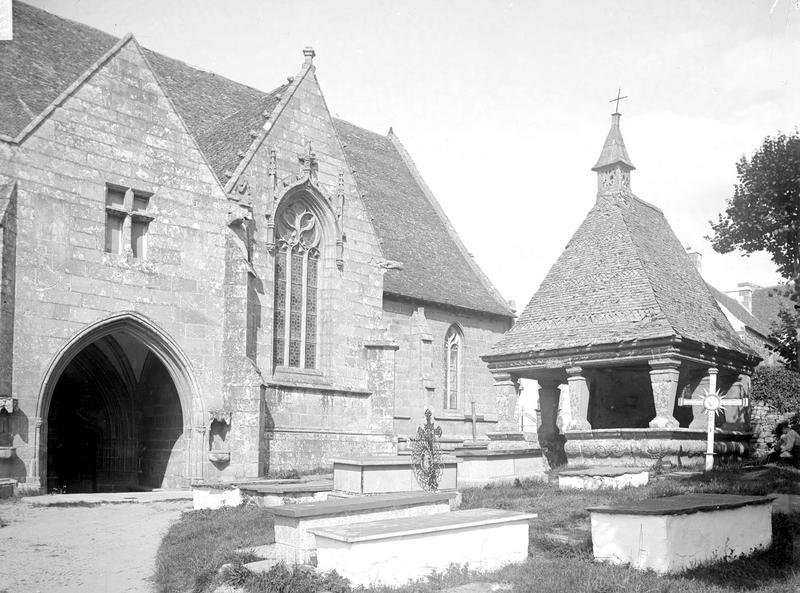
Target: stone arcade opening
114	421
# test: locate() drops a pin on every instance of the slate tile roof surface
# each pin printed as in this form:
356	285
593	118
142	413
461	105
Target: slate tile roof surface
623	276
768	301
49	53
735	307
411	231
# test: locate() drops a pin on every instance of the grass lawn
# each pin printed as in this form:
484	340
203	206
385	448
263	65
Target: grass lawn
560	547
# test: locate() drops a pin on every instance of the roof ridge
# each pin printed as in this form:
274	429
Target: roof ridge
267	126
408	161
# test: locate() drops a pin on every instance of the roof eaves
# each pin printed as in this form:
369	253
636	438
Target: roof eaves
273	116
487	284
77	83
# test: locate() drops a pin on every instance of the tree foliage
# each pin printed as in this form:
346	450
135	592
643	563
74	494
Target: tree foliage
764	212
778	387
764	215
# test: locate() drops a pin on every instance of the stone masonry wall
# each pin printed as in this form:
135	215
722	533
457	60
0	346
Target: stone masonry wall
118	127
420	332
332	410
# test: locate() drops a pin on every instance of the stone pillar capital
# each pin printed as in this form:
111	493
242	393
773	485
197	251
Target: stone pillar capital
574	372
503	378
549	383
664	364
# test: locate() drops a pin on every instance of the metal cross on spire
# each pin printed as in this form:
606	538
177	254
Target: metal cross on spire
618	98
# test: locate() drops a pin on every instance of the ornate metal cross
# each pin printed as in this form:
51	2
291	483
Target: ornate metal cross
618	99
712	401
427	455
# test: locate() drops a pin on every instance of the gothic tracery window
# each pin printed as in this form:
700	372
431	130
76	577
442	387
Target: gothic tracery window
453	351
296	270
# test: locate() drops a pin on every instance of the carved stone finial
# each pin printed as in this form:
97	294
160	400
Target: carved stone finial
309	162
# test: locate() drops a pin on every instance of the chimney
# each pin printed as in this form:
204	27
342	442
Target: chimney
308	54
696	257
744	294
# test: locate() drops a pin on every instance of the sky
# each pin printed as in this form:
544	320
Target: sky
504	106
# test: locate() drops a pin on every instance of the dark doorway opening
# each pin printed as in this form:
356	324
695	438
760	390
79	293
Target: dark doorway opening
115	421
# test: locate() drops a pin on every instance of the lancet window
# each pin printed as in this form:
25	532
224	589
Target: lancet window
453	352
297	262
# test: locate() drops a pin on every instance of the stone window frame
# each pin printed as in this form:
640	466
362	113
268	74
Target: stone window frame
299	231
453	382
128	215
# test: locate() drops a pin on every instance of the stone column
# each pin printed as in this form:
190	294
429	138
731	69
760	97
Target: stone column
664	375
506	398
549	395
578	399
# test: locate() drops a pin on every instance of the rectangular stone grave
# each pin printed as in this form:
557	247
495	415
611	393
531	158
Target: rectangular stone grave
594	478
382	475
215	496
270	495
294	544
393	552
676	533
478	467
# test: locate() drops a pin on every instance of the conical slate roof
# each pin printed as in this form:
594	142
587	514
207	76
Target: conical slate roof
623	277
614	150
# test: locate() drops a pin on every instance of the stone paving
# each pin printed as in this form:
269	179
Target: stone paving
102	547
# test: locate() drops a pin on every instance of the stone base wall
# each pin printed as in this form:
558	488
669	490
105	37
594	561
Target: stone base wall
763	419
680	448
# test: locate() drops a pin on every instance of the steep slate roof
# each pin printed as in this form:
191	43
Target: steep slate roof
49	53
768	301
434	265
624	276
736	308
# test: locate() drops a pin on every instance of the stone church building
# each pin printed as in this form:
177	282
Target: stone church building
204	281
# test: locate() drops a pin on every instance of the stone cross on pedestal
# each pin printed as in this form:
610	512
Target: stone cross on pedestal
712	401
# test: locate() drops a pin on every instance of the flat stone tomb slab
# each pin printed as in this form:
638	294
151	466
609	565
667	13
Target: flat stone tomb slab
295	544
479	467
271	495
393	552
676	533
381	475
595	478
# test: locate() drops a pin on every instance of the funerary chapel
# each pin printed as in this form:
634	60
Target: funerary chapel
202	281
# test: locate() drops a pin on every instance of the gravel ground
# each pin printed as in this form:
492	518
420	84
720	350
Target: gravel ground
105	548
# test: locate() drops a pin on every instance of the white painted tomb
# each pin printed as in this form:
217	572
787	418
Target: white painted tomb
479	467
594	478
215	496
294	544
386	474
676	533
393	552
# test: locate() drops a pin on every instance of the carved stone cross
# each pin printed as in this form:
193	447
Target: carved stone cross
712	401
474	419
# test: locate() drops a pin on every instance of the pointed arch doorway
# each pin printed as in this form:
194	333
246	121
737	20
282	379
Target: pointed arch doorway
117	404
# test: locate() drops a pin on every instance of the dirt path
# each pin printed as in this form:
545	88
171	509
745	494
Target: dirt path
110	548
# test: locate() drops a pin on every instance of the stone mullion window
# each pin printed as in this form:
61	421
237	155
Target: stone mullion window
279	329
453	345
126	221
296	271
